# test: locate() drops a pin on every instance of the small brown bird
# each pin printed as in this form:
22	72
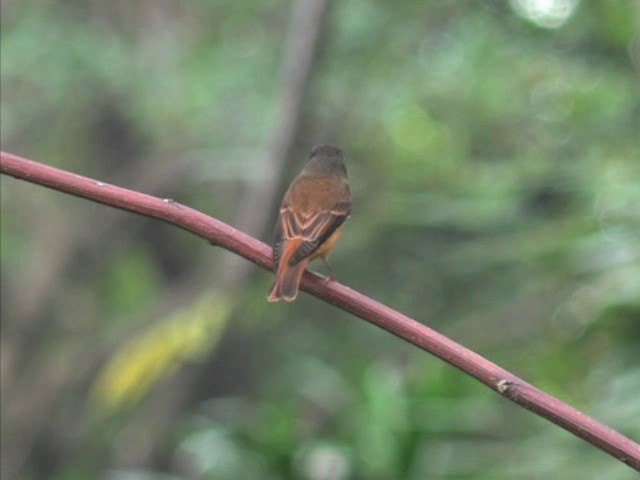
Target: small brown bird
313	210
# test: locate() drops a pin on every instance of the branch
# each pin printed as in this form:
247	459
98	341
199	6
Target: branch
223	235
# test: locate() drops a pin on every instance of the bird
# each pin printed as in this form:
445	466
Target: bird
313	209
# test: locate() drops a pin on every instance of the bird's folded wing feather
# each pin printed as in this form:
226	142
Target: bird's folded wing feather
312	228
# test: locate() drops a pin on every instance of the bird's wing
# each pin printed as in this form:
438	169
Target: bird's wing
312	228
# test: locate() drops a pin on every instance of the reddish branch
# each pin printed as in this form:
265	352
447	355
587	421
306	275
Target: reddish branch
218	233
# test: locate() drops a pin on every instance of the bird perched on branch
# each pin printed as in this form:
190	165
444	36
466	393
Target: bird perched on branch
313	210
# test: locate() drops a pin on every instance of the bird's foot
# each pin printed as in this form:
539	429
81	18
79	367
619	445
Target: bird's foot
328	279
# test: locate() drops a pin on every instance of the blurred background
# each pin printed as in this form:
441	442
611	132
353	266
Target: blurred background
494	153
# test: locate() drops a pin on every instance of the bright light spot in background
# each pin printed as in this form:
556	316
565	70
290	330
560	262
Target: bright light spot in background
545	13
325	462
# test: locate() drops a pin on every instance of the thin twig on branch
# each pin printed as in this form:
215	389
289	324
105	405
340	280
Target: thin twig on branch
223	235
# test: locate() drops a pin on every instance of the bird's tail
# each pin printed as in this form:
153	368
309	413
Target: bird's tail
288	277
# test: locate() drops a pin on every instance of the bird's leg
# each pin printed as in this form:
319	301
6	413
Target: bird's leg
331	277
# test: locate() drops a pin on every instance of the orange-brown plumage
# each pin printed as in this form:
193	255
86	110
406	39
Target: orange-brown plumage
316	204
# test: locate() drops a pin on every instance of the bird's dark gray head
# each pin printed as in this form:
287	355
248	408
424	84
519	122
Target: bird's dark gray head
327	151
326	159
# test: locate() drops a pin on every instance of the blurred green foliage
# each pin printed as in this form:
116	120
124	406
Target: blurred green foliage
494	155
